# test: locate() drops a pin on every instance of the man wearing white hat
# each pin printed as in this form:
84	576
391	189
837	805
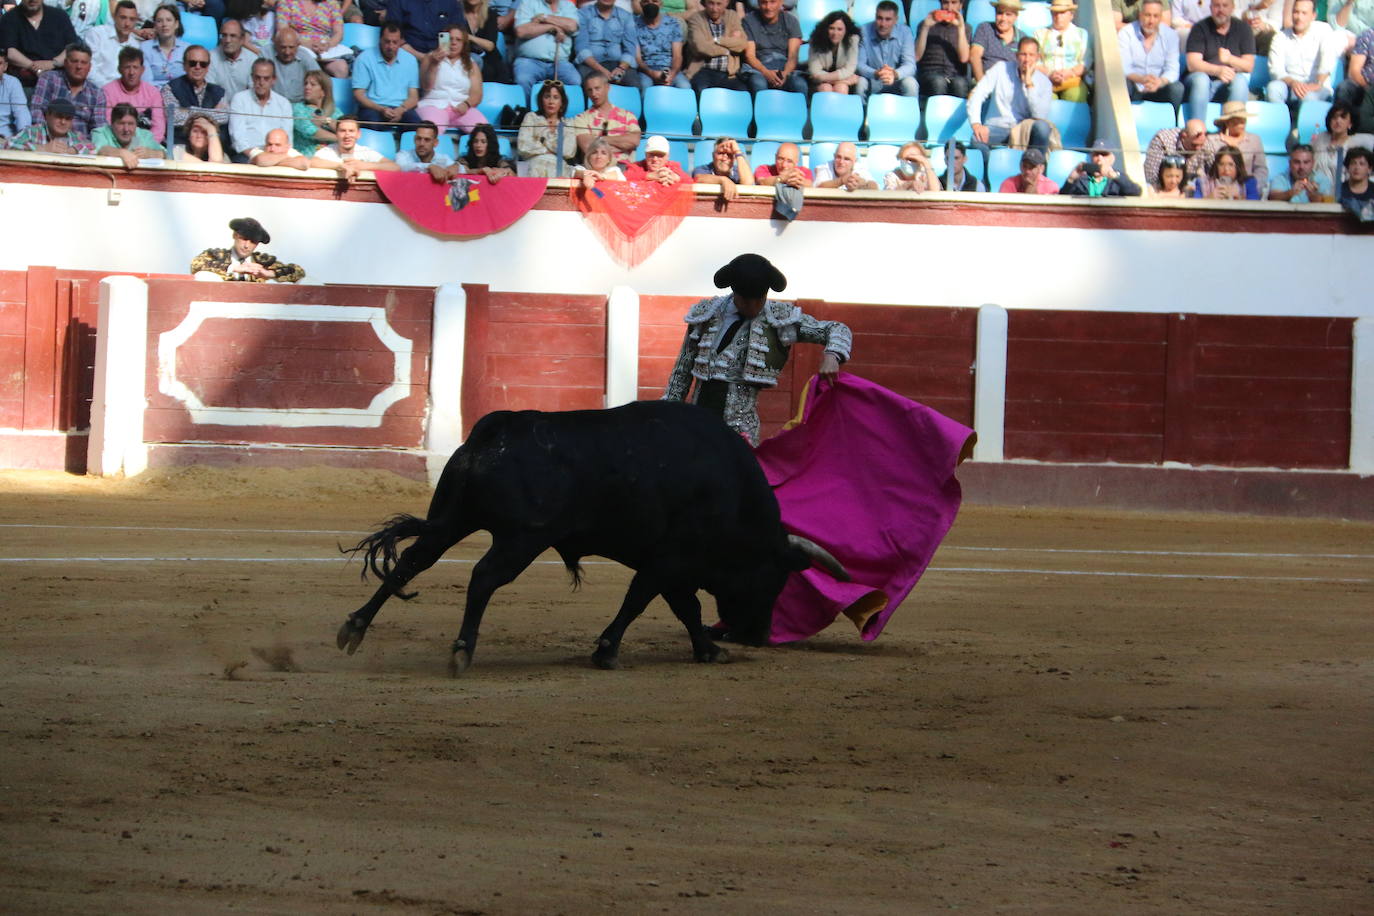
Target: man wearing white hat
1065	53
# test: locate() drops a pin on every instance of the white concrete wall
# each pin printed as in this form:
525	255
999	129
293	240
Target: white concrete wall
346	242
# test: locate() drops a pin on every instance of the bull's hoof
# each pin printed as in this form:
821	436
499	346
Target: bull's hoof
351	635
460	660
606	656
715	653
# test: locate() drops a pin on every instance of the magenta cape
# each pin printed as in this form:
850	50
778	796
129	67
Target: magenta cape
868	475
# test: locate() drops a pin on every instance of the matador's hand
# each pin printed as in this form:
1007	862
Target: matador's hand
830	367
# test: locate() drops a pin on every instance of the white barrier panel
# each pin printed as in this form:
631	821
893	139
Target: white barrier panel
1362	397
447	350
990	383
121	366
622	346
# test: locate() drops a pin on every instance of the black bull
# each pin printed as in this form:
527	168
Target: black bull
667	489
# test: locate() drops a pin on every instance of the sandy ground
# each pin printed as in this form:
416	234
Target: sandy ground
1074	712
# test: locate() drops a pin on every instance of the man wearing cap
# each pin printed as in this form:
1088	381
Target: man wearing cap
1149	55
737	344
1098	176
243	261
1187	143
1233	133
887	54
602	119
995	41
656	166
1019	92
1031	179
54	134
1221	54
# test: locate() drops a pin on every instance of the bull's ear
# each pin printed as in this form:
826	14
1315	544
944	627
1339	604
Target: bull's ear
814	554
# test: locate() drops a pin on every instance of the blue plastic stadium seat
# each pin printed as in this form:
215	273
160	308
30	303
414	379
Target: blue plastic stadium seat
1034	16
1003	163
725	113
577	103
879	159
670	111
979	12
199	30
810	12
383	141
358	35
1074	120
920	9
1278	165
1259	76
1271	122
947	118
763	153
628	98
865	11
779	115
496	96
701	153
893	118
1311	119
343	95
1060	163
818	154
1151	118
835	116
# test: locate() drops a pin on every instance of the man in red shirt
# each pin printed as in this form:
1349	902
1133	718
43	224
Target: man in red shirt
656	166
785	169
1032	178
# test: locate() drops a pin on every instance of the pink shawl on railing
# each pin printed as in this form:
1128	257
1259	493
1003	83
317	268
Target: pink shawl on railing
868	475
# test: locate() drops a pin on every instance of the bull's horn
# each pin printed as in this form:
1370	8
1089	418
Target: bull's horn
819	556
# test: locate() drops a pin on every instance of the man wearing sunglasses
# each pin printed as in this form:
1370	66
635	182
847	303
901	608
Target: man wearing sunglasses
192	95
1098	176
1188	143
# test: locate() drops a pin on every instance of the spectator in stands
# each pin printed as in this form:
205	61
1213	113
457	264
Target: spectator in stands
1031	179
53	134
598	165
1353	17
1184	14
231	64
1020	93
1125	12
422	22
71	82
602	119
539	142
1066	53
292	63
1226	178
729	168
106	41
887	54
786	169
1301	185
1149	55
956	177
253	112
1098	176
202	142
770	57
215	9
1354	91
834	54
605	43
124	139
164	52
347	156
386	83
842	172
942	52
1171	184
312	118
1301	59
191	95
1357	194
1221	54
1188	143
14	108
82	13
425	157
1265	18
1233	134
995	41
483	28
35	36
484	155
656	165
1329	144
452	84
658	50
278	152
545	29
913	172
243	261
319	26
259	21
715	47
143	96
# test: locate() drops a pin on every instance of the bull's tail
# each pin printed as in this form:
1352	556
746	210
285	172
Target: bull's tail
379	548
